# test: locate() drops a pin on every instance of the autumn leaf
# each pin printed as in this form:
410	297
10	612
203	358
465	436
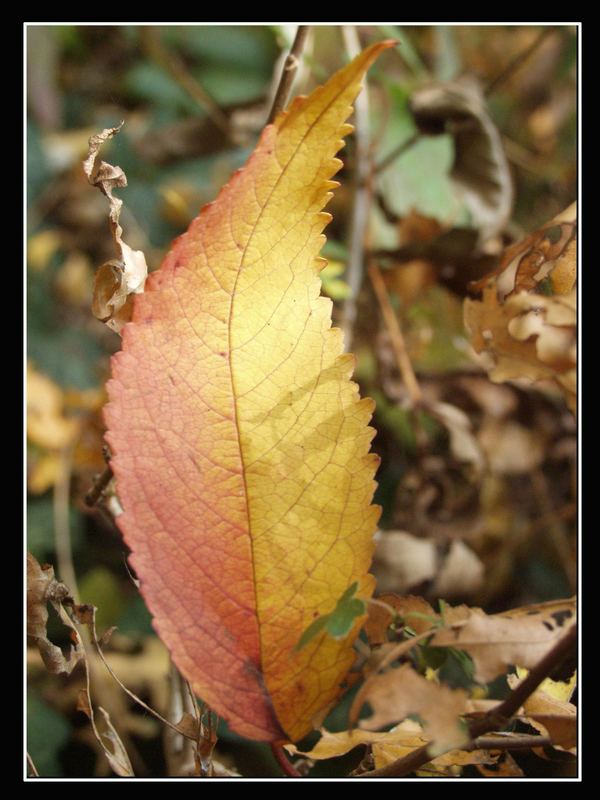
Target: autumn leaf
396	694
388	746
239	444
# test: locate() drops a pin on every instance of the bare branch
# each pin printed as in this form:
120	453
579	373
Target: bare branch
172	64
362	196
391	320
289	72
519	60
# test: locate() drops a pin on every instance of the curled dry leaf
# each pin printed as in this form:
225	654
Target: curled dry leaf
480	171
495	642
43	588
525	321
396	694
116	280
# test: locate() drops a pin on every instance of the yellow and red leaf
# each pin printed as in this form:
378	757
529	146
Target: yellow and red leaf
240	446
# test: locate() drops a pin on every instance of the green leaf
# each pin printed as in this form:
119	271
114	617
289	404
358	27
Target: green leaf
339	623
313	629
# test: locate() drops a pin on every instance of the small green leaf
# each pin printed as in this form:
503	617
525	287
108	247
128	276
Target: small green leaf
313	629
339	623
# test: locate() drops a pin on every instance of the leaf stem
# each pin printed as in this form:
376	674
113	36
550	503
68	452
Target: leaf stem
283	761
495	719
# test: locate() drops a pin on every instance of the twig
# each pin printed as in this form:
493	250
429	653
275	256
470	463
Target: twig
402	148
362	197
496	719
509	742
283	761
127	691
391	320
170	62
178	749
32	767
288	73
101	481
518	60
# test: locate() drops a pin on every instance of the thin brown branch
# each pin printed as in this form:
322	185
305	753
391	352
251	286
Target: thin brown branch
496	719
288	73
391	320
127	691
509	742
101	481
283	761
171	63
362	197
32	767
398	151
516	63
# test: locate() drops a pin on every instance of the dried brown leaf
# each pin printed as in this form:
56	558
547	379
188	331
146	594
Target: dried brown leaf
396	694
495	642
409	736
387	747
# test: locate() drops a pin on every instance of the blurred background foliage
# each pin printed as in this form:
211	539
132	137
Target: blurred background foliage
194	99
